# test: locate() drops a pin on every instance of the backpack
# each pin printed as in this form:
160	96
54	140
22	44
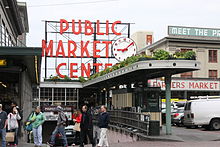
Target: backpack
66	121
28	126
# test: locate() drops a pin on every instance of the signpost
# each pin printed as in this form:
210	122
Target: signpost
192	31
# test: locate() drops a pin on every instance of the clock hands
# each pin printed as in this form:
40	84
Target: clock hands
120	50
129	45
125	49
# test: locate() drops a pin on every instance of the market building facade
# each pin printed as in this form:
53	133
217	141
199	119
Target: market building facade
19	65
206	44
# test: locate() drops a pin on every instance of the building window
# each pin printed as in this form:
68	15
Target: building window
186	75
46	94
6	39
213	74
3	34
213	56
59	94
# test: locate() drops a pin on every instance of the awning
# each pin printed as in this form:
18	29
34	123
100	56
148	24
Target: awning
143	70
20	59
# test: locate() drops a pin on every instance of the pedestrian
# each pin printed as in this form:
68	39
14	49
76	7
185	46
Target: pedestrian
86	127
14	104
3	124
13	126
37	119
77	116
103	122
60	128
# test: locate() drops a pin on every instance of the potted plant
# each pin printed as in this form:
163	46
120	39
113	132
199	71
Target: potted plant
145	57
55	78
161	55
66	78
82	79
190	55
179	55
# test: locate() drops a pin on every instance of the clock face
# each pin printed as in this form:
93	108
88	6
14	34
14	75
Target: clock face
124	48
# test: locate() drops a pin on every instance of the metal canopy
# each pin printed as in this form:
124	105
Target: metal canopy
35	51
143	70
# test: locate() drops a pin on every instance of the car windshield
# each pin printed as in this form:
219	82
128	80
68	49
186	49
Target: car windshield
188	106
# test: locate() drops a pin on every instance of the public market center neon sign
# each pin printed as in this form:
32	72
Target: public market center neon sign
86	27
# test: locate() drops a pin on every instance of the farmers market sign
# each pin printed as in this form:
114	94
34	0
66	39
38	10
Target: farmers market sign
185	84
192	31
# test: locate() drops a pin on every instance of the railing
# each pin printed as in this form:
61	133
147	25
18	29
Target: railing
133	120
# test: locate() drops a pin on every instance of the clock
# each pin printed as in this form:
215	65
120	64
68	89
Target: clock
124	48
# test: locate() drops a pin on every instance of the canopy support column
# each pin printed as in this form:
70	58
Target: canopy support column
168	104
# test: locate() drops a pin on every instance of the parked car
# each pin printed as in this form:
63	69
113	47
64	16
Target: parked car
178	116
203	111
163	111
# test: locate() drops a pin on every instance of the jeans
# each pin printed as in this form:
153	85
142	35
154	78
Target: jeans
37	132
3	135
16	135
103	140
61	130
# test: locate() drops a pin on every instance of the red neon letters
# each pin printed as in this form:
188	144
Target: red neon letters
88	27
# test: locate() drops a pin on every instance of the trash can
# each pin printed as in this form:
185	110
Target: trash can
154	128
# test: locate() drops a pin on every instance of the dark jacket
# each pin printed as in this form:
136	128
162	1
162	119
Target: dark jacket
103	120
61	120
86	120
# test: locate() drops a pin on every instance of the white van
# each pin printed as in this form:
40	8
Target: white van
203	111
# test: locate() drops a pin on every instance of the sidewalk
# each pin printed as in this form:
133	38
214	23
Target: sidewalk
180	136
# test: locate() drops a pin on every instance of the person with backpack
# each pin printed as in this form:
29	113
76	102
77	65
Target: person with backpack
13	126
36	119
62	122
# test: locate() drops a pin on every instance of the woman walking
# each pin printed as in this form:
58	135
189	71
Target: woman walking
13	126
37	118
77	119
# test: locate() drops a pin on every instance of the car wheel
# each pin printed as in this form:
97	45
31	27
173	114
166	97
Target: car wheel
215	124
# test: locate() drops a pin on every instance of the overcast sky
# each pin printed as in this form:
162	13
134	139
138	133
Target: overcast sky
150	15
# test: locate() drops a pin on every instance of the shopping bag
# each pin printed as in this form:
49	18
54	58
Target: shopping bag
10	136
76	127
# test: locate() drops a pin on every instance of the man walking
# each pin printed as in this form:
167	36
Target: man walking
103	122
60	128
86	127
3	124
